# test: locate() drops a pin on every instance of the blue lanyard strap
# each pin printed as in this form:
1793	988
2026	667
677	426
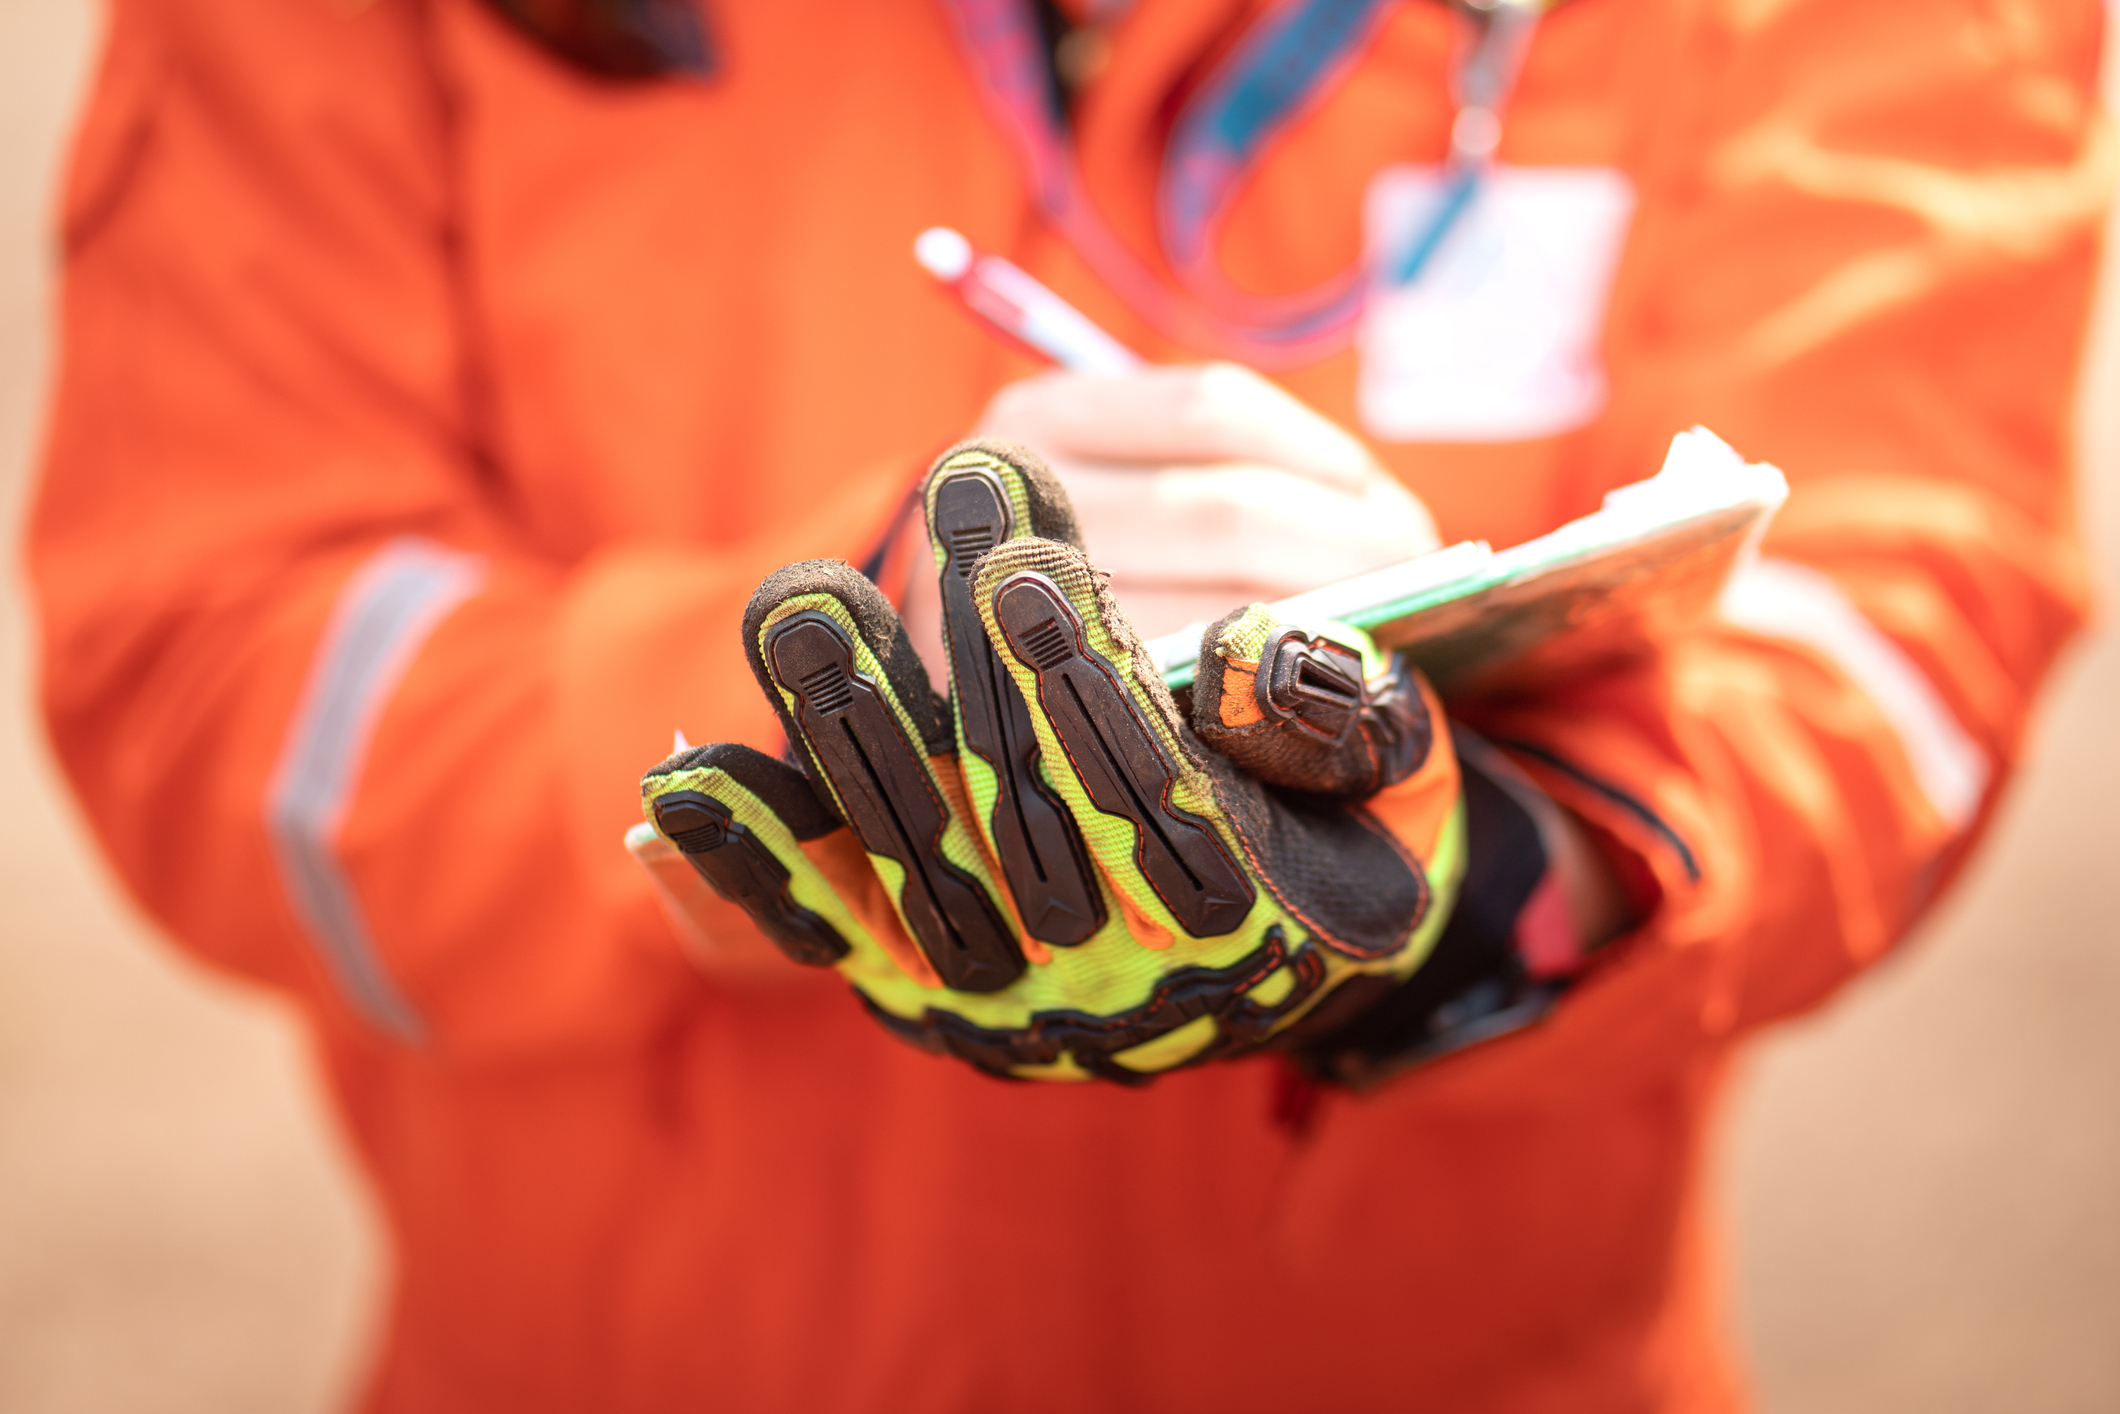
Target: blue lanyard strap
1482	80
1272	77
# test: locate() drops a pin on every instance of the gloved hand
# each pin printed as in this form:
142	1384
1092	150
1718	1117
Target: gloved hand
1054	874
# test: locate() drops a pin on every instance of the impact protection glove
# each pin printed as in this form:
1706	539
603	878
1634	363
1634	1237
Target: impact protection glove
1058	872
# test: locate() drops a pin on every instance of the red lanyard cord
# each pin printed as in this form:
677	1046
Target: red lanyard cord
1281	69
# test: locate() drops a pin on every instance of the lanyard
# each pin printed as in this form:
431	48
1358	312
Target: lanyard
1272	76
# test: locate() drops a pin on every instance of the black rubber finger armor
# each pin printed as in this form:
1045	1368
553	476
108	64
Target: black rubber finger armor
738	866
1116	756
1041	852
1319	727
881	780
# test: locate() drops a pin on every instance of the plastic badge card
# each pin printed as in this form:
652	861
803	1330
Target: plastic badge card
1606	587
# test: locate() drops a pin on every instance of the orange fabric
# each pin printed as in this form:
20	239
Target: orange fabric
337	273
1417	808
1239	706
1147	931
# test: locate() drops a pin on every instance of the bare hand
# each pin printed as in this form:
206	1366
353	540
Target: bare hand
1199	488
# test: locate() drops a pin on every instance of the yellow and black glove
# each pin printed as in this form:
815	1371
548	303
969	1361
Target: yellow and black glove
1055	873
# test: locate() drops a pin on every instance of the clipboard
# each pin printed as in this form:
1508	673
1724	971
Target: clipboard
1648	564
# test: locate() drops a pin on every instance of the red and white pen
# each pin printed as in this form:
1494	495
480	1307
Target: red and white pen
1015	305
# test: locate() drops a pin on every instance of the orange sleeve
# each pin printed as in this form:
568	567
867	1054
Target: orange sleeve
1866	253
341	726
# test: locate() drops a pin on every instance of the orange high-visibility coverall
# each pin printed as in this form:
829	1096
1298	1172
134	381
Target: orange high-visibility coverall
413	377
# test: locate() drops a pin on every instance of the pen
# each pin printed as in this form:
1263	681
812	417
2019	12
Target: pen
1011	302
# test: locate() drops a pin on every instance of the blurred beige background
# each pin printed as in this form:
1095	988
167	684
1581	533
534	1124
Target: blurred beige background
1926	1179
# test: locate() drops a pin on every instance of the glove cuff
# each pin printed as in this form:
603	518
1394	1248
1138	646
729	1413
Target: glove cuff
1507	953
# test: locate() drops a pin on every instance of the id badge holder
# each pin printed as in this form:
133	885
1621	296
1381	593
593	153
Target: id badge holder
1496	338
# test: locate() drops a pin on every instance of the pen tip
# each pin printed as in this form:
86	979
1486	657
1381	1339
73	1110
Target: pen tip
943	253
678	742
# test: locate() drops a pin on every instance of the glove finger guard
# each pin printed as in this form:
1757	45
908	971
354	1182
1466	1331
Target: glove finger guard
851	692
1307	712
978	496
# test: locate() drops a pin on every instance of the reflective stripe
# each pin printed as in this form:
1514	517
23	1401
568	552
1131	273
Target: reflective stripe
383	616
1780	599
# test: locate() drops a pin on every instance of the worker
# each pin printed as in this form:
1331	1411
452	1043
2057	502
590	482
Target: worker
441	380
